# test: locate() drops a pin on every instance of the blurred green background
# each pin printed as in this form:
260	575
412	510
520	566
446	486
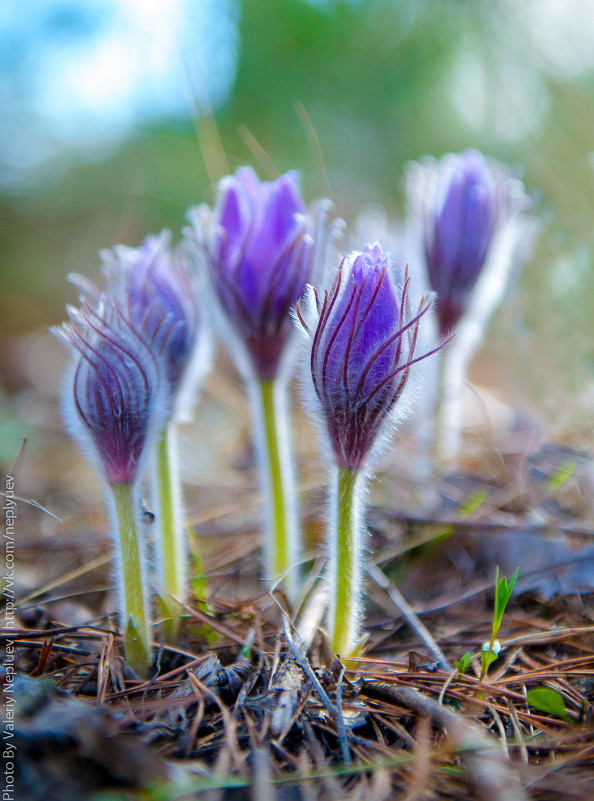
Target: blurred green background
95	152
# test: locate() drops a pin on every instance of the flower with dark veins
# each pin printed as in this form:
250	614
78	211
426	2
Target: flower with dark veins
364	344
115	400
114	404
161	296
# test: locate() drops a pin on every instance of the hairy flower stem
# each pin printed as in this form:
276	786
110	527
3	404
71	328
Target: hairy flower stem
134	605
345	576
453	366
274	458
173	579
441	423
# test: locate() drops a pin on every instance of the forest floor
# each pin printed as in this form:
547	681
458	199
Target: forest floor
248	707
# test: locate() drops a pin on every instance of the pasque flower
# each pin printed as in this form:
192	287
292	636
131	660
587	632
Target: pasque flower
161	297
469	219
113	404
458	235
464	203
261	246
364	342
115	398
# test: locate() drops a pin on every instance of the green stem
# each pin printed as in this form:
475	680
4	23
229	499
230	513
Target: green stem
282	533
345	567
173	578
133	600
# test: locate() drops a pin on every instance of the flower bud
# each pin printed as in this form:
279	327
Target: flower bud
115	400
261	247
364	341
159	294
463	204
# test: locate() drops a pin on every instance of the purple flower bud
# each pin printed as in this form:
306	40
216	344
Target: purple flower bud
114	403
261	248
160	299
364	343
463	202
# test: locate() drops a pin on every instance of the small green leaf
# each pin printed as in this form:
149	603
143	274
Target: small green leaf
462	664
487	659
497	611
549	701
503	592
559	476
508	587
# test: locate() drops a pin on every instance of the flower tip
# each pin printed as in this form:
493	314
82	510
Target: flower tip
374	251
291	181
86	287
322	208
61	333
376	256
298	319
75	315
245	175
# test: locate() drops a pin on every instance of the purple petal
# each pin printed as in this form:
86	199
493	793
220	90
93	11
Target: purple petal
262	262
160	300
